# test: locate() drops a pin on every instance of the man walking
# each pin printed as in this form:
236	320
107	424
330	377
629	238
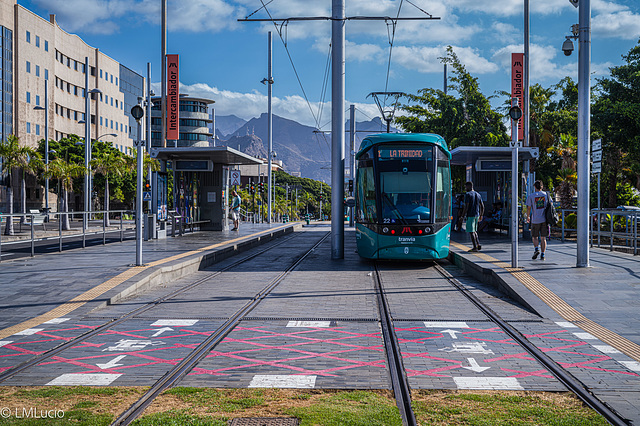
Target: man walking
536	203
235	210
473	211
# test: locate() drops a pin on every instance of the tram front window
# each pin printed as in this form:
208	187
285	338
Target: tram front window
405	186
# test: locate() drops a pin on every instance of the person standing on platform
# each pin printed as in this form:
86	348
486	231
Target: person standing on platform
536	203
473	211
235	210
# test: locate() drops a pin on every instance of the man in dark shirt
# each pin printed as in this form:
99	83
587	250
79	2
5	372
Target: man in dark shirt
473	210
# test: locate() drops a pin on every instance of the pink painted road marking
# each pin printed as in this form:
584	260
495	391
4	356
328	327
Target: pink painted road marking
538	373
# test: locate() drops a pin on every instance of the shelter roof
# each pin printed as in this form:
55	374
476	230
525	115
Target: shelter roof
464	155
217	154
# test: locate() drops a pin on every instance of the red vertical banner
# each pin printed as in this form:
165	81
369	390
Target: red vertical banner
173	98
517	79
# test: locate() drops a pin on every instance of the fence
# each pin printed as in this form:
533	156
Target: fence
613	225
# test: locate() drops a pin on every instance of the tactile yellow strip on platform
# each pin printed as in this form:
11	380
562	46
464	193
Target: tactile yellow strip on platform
565	310
100	289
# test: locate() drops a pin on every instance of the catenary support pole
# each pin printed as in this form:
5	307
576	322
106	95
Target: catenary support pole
153	200
337	128
46	144
526	101
87	138
140	154
515	183
352	157
584	129
163	62
269	133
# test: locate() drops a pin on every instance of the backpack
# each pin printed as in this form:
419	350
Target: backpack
550	214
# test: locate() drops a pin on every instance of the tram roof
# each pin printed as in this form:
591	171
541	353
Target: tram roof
403	137
217	154
464	155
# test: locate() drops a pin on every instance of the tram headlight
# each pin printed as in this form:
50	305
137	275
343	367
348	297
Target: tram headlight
427	229
385	230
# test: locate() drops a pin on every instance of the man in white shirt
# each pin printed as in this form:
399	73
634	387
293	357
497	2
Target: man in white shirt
536	203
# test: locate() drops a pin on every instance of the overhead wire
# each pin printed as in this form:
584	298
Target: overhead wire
392	39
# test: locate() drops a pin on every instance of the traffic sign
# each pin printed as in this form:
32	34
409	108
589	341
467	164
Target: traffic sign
596	167
596	156
146	196
596	145
235	177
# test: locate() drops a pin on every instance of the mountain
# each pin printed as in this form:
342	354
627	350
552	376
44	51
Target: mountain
227	124
296	145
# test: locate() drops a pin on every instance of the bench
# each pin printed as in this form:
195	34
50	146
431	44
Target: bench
36	217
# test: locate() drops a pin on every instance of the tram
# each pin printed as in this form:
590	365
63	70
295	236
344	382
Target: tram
403	197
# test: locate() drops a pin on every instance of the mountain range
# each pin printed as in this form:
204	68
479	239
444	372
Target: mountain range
301	148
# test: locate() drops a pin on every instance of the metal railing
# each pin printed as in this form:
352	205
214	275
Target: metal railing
617	226
33	220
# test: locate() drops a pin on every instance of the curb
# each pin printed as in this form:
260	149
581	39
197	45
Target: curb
488	273
162	274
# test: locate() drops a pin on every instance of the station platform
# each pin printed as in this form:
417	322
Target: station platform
41	288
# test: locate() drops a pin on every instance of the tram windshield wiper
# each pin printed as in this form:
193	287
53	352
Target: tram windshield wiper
385	197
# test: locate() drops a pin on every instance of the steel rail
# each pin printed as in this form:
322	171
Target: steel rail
203	349
573	384
131	314
399	382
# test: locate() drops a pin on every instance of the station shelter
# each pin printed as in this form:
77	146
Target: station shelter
201	180
489	168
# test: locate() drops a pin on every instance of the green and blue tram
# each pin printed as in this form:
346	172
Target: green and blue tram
403	197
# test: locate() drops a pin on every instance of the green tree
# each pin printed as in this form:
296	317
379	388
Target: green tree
65	172
32	165
464	119
616	119
109	163
14	156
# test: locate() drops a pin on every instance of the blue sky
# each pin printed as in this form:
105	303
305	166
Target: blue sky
225	60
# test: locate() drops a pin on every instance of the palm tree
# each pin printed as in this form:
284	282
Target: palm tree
109	163
32	165
65	172
568	179
13	156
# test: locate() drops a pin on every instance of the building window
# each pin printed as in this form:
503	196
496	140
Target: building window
112	101
75	90
38	100
112	124
93	71
116	103
84	68
111	78
101	121
75	65
28	97
38	129
116	81
28	66
68	62
46	46
106	99
28	127
75	115
37	41
46	74
106	76
37	70
100	73
28	37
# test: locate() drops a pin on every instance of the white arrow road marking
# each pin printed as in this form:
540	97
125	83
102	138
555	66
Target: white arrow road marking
468	348
113	363
475	367
451	333
126	345
162	330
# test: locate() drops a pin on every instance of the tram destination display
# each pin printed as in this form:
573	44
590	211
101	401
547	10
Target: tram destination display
404	153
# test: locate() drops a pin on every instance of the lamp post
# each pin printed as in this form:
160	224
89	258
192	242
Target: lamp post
46	143
87	137
137	112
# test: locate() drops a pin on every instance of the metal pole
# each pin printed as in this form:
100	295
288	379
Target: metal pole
584	111
526	100
269	132
163	101
148	132
445	79
46	145
140	153
87	139
337	128
352	155
599	209
513	229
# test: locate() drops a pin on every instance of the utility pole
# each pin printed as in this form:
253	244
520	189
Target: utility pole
153	201
269	131
163	101
584	130
338	20
352	156
526	102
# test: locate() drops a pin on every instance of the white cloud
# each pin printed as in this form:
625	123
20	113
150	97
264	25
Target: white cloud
106	16
623	24
426	59
249	105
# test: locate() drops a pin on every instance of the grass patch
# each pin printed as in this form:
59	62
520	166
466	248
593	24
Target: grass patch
93	406
502	408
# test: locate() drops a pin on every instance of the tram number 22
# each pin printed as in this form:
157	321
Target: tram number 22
386	220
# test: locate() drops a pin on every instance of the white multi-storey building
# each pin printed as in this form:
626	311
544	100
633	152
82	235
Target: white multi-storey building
36	52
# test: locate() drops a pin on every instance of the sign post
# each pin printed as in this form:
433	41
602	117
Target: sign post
173	98
596	167
515	113
235	177
137	112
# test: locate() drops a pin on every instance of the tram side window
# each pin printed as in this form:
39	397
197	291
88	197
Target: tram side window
443	191
366	201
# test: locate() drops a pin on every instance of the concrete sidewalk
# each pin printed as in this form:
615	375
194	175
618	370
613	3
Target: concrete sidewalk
35	290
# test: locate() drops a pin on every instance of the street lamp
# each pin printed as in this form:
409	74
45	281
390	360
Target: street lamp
87	138
46	143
